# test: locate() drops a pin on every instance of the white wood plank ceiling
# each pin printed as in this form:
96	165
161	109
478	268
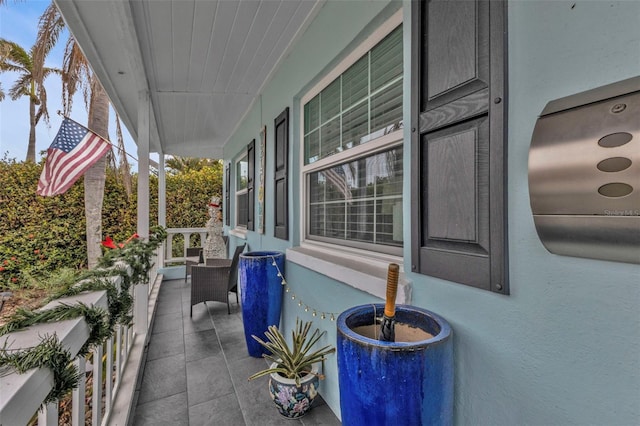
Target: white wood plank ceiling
203	62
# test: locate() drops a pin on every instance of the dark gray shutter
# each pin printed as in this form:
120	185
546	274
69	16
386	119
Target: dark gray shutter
227	195
459	109
281	135
251	160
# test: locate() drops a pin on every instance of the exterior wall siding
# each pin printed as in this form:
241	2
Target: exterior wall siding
563	347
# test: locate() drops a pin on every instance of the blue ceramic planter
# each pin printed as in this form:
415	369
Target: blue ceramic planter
261	295
395	383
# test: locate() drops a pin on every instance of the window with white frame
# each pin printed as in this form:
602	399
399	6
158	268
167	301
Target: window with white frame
242	196
352	155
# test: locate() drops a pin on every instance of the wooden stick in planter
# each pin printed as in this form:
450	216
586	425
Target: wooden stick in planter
387	328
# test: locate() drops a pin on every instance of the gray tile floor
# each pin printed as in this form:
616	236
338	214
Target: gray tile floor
197	367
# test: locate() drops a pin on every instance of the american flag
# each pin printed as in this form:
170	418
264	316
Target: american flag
337	177
72	152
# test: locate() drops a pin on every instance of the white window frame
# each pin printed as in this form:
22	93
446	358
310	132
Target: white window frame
362	269
244	156
384	143
380	144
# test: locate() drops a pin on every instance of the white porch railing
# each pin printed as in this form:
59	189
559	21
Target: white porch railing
113	368
186	233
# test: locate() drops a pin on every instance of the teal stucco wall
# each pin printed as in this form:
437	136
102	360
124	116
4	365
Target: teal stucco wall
564	347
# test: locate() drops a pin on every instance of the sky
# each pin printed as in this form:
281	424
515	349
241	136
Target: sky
19	23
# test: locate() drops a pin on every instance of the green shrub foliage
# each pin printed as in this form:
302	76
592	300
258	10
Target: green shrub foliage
132	263
41	234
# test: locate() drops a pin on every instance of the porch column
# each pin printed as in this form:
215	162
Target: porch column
162	204
141	291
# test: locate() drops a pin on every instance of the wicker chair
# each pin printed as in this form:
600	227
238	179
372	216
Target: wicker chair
214	280
197	251
192	252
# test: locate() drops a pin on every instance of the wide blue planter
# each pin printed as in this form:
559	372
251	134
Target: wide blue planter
260	295
395	383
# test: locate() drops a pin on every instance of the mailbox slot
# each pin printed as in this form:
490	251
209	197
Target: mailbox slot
584	173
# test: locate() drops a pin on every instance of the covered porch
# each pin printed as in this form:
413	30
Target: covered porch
196	369
238	80
185	370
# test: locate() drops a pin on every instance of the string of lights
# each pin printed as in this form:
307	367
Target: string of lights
289	293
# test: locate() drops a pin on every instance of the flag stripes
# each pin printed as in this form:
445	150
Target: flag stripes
72	152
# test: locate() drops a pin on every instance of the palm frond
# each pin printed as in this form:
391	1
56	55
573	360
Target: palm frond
76	74
12	60
18	90
42	109
14	55
50	27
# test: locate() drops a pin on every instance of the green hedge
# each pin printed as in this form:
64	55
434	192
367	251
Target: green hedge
41	234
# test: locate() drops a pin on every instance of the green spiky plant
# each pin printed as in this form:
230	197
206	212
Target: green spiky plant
293	362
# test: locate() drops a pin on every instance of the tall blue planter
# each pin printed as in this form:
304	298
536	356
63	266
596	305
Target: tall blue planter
261	295
395	383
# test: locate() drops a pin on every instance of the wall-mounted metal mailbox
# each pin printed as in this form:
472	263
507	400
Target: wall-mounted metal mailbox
584	173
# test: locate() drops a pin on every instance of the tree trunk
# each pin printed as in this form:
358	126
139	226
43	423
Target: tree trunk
31	149
94	178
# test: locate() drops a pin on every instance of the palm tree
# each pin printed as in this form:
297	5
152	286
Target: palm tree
30	83
123	168
3	52
77	74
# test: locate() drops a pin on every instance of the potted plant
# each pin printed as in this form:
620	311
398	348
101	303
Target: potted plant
293	373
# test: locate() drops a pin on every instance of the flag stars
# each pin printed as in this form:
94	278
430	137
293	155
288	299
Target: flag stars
69	136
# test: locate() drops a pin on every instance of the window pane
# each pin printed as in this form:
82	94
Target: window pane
312	147
388	174
355	83
330	138
334	220
360	224
330	101
243	208
357	172
336	185
242	174
317	184
312	114
362	200
386	60
389	221
386	111
355	126
362	104
316	219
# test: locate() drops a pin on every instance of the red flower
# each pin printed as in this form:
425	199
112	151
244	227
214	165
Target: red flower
108	242
30	236
135	235
1	268
14	280
36	251
6	262
13	258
